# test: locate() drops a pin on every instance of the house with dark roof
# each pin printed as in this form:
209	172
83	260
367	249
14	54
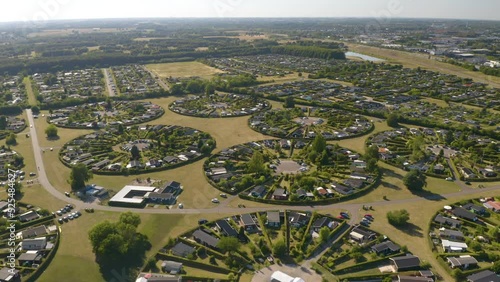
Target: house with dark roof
451	234
462	262
463	213
171	267
34	231
323	222
34	244
474	208
171	187
258	191
341	189
205	239
9	275
225	228
443	220
298	219
273	219
386	247
162	198
247	221
30	257
354	183
280	194
484	276
182	250
404	278
28	216
361	235
408	262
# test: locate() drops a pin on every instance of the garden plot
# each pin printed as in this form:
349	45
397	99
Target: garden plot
10	160
289	171
219	105
409	149
10	124
12	91
76	84
103	114
245	242
465	236
137	149
307	123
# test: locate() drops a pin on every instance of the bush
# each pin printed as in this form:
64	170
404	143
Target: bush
398	218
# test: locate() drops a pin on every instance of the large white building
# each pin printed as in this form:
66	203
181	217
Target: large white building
279	276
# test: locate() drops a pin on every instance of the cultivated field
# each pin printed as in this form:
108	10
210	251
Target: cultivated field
183	69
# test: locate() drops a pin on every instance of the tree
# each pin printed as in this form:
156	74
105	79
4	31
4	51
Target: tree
35	110
319	144
393	120
496	267
280	249
130	218
228	244
371	152
118	244
51	131
79	175
134	151
120	129
289	102
415	180
398	217
256	163
324	233
11	139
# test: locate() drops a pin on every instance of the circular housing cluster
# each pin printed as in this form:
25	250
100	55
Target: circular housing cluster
102	114
307	123
219	105
289	170
137	148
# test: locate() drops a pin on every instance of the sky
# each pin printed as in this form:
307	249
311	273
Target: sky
43	10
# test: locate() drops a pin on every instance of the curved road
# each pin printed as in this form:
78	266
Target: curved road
353	208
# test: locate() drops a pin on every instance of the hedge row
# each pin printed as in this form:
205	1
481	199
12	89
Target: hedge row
41	269
365	265
195	264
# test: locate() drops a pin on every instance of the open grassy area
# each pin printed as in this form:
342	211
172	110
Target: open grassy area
414	60
75	258
29	91
183	69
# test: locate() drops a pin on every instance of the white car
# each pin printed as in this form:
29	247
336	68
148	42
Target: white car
181	206
215	200
449	179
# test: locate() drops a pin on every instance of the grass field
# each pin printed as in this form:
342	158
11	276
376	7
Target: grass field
183	69
414	60
29	91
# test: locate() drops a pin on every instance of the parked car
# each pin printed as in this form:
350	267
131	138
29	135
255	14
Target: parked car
180	206
60	220
223	195
32	174
67	194
344	214
364	223
202	221
449	179
215	200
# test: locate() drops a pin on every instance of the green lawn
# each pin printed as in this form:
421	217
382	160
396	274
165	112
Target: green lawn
29	91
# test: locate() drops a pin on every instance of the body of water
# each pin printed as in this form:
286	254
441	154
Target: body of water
363	56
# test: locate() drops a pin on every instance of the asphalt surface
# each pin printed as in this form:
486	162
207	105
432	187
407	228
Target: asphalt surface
352	208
